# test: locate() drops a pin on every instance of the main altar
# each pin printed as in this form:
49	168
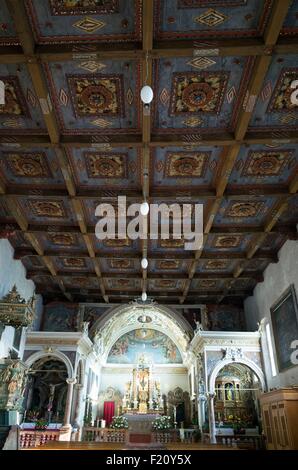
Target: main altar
143	392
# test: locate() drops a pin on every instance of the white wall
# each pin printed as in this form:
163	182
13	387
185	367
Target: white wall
277	278
13	272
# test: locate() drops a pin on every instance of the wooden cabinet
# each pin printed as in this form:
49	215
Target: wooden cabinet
280	418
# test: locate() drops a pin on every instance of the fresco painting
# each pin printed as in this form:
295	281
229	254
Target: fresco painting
152	345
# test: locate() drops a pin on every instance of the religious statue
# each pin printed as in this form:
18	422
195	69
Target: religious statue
13	376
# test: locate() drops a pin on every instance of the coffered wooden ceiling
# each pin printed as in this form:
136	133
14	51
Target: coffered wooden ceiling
222	132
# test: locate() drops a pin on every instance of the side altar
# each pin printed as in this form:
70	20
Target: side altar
142	393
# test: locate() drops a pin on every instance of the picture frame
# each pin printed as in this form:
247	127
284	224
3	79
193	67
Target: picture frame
284	318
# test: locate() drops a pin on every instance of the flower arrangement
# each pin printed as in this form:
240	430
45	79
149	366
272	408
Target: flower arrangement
119	422
162	423
41	424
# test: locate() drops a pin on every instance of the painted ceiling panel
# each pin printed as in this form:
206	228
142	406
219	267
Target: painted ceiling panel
169	266
232	242
290	27
274	109
34	167
118	168
233	212
166	284
175	167
72	21
21	113
196	19
68	263
257	165
63	242
95	97
199	94
8	34
56	211
122	265
216	266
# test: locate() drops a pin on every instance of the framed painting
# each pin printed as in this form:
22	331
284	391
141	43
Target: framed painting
284	317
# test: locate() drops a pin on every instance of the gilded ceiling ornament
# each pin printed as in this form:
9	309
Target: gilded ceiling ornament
81	7
198	92
228	241
15	103
266	163
117	243
97	95
47	208
186	164
281	98
201	63
216	264
28	165
168	264
120	264
244	209
89	25
100	165
63	239
211	18
74	262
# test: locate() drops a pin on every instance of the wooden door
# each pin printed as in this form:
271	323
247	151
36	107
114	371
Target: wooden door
267	425
284	427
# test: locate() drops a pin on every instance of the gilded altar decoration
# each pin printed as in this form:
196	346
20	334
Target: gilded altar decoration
281	98
227	241
12	384
266	163
99	95
16	311
47	208
186	164
28	165
142	393
216	264
107	165
198	92
81	7
62	239
15	103
244	209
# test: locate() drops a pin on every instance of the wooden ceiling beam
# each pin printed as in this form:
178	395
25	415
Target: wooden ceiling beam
288	230
135	141
258	240
161	49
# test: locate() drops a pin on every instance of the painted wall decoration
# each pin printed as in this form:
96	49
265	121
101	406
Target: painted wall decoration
150	345
284	316
60	316
225	318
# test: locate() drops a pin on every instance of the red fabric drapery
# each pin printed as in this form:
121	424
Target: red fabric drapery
108	411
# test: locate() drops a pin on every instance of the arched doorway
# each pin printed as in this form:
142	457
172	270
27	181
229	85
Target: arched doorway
46	390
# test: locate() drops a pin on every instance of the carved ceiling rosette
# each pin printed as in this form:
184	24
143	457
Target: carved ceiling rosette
16	311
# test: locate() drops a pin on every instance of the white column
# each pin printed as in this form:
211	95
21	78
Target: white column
212	429
67	412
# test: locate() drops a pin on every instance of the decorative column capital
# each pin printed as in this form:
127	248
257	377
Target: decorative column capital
71	381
